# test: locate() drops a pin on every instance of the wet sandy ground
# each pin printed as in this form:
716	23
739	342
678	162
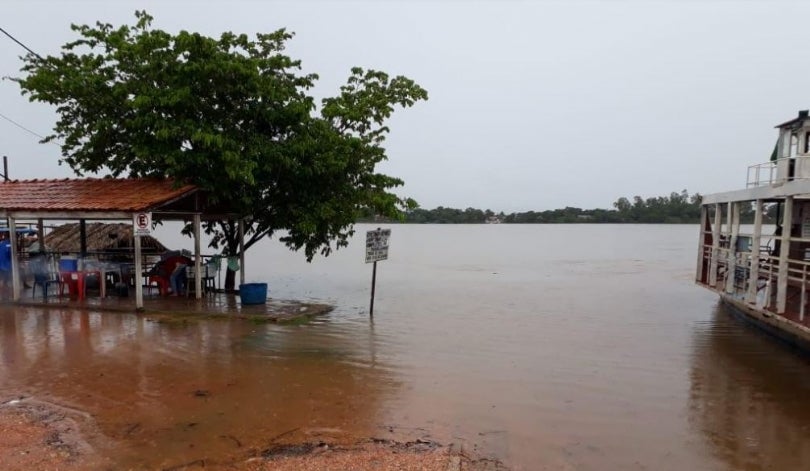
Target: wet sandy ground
35	435
92	390
38	435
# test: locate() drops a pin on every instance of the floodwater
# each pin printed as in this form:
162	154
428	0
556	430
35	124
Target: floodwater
573	347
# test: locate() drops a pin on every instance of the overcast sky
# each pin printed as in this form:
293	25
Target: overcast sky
533	105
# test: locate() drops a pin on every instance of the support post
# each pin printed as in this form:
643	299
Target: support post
41	232
138	274
15	262
734	229
197	261
784	253
718	214
756	241
373	287
83	237
241	225
701	253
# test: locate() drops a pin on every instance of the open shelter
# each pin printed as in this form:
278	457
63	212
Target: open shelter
99	237
109	199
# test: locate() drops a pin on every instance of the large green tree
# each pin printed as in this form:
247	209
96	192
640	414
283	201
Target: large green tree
232	115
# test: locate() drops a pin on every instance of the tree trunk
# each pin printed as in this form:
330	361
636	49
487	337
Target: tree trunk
230	280
232	241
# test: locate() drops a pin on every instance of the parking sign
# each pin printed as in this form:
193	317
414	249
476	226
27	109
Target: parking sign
142	223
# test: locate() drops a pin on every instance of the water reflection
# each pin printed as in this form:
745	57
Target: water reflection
168	394
748	396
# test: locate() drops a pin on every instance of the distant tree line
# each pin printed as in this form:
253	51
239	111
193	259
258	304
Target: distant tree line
677	208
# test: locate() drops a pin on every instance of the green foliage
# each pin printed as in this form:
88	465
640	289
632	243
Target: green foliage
232	115
673	209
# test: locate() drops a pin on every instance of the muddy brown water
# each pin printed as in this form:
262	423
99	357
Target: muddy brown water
580	347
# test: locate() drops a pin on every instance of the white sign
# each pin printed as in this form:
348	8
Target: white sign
142	223
377	245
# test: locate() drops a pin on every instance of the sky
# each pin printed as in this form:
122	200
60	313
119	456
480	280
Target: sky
533	105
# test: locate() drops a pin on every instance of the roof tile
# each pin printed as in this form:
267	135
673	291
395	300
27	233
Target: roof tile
88	194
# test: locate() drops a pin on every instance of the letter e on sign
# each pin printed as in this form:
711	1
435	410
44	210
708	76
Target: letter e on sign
142	223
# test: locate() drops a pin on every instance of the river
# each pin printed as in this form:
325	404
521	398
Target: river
573	347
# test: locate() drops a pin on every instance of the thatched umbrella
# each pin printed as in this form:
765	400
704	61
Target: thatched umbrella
101	237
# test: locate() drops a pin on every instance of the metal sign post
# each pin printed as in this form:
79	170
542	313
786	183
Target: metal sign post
376	250
373	286
141	226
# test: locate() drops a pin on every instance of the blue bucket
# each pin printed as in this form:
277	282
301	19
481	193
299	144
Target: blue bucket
253	293
68	264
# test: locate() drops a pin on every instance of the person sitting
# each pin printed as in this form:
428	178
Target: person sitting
178	278
171	271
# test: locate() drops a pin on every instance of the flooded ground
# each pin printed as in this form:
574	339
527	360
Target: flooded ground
548	347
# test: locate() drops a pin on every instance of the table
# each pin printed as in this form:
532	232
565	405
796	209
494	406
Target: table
80	277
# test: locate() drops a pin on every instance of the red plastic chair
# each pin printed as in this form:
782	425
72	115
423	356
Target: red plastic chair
162	284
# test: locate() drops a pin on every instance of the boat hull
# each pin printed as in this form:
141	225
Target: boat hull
787	331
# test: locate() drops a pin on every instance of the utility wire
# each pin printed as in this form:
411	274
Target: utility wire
6	117
21	126
183	145
18	42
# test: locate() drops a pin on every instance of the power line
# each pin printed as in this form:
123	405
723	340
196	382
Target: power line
184	146
40	136
21	126
18	42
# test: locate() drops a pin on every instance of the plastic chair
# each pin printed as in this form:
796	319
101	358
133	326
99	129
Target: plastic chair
207	282
161	282
44	280
215	265
45	274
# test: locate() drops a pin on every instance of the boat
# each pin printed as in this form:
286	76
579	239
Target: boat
762	271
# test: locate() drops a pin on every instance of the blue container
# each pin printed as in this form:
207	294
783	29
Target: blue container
68	264
253	293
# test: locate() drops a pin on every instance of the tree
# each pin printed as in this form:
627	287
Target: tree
231	115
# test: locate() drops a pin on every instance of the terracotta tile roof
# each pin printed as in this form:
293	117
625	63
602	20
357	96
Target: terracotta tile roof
88	194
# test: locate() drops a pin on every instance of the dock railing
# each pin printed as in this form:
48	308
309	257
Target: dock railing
798	276
761	174
769	173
